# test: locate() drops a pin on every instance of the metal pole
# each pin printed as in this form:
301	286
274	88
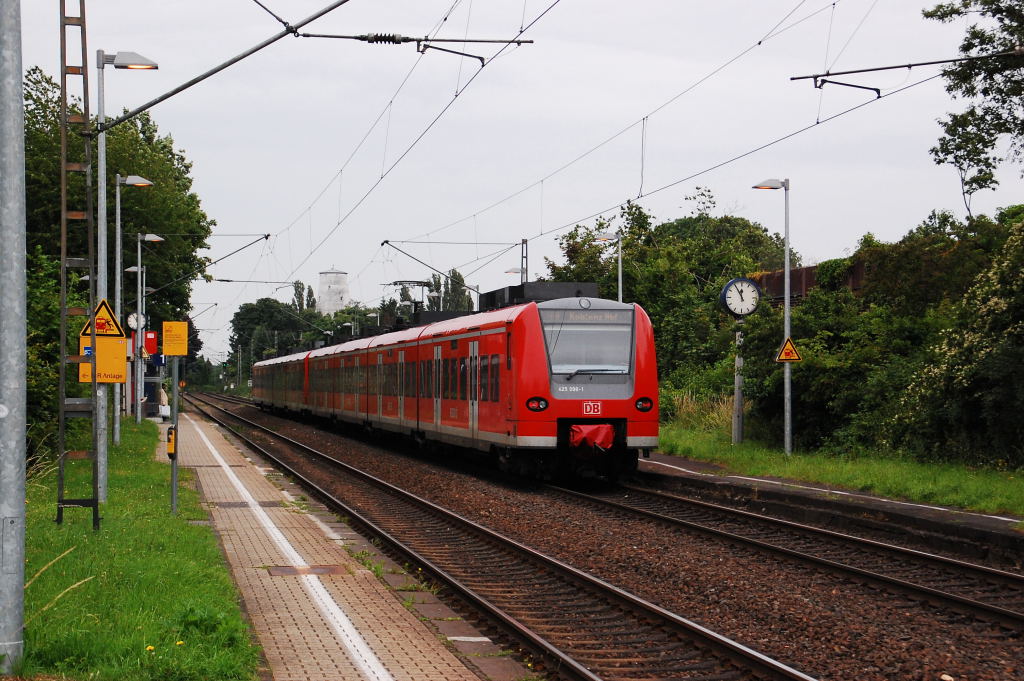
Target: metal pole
523	263
620	267
101	278
118	274
138	329
174	424
13	358
787	372
737	384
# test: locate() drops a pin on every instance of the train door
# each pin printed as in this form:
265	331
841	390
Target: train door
437	387
402	378
379	384
474	388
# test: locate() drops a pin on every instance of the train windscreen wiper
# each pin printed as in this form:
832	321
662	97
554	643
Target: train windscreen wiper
577	372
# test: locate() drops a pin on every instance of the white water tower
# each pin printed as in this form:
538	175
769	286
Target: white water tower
332	293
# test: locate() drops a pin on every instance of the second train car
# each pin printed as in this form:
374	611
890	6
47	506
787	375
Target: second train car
566	386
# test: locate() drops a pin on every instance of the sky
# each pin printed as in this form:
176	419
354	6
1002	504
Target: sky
333	146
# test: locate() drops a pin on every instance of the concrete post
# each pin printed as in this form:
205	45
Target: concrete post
13	358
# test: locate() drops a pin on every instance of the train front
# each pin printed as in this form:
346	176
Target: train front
603	383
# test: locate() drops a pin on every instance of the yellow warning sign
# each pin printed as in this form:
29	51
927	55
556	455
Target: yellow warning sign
175	338
788	353
106	323
111	360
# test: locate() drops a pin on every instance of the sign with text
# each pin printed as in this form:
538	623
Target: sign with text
111	360
175	338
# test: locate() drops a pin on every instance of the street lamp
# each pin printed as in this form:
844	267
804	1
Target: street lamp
607	237
787	384
131	181
140	320
521	271
121	60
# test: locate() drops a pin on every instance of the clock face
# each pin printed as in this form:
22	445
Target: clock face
740	296
133	320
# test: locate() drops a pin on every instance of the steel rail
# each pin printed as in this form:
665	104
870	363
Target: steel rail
963	604
743	657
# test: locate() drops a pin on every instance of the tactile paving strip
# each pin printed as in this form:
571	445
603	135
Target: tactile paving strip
299	641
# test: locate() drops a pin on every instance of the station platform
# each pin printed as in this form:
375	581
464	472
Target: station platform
317	612
942	529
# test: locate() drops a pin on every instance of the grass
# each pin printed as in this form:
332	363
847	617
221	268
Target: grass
984	491
147	597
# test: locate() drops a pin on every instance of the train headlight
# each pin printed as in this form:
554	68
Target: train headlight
536	404
644	404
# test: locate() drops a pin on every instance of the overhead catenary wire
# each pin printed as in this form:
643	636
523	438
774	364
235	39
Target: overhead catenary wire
373	126
737	157
770	34
289	30
418	138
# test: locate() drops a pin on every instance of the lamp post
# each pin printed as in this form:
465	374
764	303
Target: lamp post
140	322
606	237
518	270
132	181
787	383
121	60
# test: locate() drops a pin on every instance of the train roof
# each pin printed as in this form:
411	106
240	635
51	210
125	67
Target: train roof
447	327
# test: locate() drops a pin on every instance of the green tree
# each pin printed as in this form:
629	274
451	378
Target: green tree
675	271
862	350
965	401
454	294
435	288
993	88
168	208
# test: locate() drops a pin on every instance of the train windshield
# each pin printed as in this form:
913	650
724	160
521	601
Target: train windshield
588	341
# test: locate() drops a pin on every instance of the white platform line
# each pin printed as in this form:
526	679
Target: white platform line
836	491
364	658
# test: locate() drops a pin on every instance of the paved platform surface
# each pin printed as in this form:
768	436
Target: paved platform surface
974	535
319	613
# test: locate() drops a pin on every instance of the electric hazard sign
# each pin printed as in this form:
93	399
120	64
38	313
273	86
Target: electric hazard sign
788	353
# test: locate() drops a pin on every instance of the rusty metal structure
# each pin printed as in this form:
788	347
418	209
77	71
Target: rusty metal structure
76	217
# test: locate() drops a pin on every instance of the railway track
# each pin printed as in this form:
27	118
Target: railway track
581	627
968	588
234	399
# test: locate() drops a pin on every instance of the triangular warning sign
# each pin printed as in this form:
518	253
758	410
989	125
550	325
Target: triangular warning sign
106	323
788	353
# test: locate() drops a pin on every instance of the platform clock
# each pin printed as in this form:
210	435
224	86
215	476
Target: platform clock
740	297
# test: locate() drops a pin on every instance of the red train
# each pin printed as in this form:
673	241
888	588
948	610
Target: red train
565	386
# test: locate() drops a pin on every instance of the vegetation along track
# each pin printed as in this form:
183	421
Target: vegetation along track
968	588
581	627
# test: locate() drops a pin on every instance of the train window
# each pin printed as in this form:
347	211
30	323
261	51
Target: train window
453	379
485	382
473	379
446	365
495	374
588	341
428	378
463	370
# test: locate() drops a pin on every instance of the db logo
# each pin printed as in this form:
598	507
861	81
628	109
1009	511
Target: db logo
592	408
